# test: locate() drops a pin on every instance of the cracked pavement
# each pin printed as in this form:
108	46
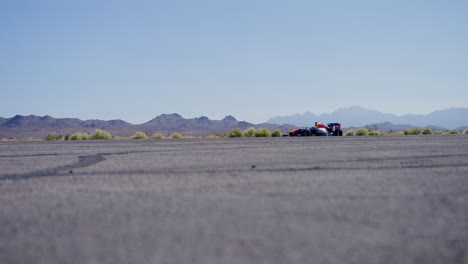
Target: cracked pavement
400	199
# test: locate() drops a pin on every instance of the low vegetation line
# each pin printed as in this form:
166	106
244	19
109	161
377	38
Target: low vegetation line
411	131
252	132
99	134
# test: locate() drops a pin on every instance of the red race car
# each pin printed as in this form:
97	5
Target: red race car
331	129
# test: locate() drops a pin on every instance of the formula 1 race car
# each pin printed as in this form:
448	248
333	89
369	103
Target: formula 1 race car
331	129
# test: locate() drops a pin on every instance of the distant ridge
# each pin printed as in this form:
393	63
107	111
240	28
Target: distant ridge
387	126
357	116
37	126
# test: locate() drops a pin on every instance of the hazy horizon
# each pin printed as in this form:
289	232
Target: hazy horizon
134	60
238	119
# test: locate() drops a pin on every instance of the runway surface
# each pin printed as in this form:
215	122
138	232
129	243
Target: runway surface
398	199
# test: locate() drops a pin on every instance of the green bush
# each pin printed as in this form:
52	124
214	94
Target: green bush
139	135
453	132
349	133
440	132
79	136
465	131
100	135
117	138
276	133
402	132
374	133
362	132
53	138
415	131
236	133
176	135
249	132
263	132
427	131
157	136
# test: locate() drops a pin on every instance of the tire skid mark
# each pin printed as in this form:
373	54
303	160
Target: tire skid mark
167	171
130	152
84	161
89	160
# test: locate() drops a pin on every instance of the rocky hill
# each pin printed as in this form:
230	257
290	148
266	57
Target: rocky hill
38	127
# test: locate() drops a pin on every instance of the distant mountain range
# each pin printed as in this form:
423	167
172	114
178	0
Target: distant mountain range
357	116
37	126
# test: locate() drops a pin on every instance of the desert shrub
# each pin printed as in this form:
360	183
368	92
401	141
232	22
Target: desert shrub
439	132
67	137
236	133
53	138
276	133
157	136
427	131
374	133
100	135
176	135
213	135
406	132
249	132
349	133
78	136
390	133
415	131
263	132
139	135
453	131
117	138
362	132
465	131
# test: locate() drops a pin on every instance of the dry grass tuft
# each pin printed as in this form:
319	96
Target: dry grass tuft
236	133
139	135
175	136
100	135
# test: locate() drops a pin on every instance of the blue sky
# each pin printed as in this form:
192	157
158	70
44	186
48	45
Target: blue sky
254	59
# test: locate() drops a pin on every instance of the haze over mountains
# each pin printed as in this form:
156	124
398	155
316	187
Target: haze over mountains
357	116
36	126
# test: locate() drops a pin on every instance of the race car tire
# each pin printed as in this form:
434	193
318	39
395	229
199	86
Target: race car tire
308	133
340	133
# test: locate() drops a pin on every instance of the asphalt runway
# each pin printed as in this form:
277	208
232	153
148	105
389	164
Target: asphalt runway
395	199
